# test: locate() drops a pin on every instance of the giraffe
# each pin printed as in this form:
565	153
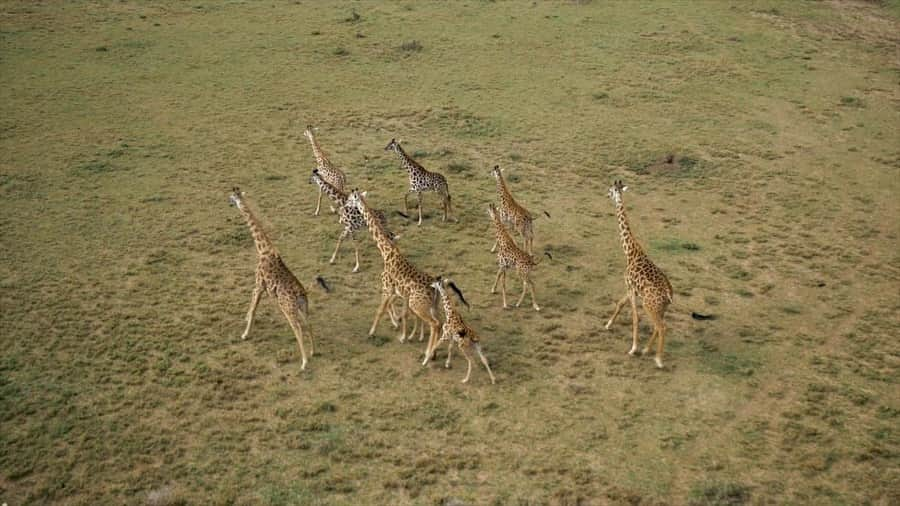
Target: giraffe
509	255
390	290
642	278
327	170
348	216
410	283
274	278
457	331
513	213
421	180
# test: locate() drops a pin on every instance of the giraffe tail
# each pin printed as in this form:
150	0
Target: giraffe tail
458	293
540	260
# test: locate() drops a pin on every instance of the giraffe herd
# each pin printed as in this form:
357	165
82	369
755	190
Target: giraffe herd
421	295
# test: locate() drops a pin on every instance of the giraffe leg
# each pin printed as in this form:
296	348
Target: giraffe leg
404	316
465	353
392	314
387	291
254	301
337	248
634	324
524	289
318	203
616	311
531	289
659	328
385	300
503	290
304	324
298	331
419	202
449	353
484	361
406	202
653	335
494	247
356	252
421	306
496	280
445	196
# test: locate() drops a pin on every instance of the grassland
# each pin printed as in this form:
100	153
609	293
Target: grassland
125	276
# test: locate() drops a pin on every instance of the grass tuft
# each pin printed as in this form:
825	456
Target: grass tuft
413	46
719	494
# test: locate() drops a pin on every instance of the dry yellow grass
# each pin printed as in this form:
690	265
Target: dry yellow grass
125	276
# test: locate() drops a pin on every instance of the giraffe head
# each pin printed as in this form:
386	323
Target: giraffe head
616	191
496	172
394	145
441	282
438	285
308	133
355	200
315	177
492	211
237	198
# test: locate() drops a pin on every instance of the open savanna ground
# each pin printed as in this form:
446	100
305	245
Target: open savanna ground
761	144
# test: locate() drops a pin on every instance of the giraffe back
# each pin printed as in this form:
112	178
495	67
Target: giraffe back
280	282
648	280
421	179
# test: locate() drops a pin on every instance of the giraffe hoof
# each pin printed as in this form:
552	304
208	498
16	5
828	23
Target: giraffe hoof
608	325
632	351
645	350
356	269
659	364
537	308
447	365
465	380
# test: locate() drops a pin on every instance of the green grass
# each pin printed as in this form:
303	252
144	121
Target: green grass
759	143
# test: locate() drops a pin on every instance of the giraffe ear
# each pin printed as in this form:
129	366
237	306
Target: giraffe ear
624	188
364	194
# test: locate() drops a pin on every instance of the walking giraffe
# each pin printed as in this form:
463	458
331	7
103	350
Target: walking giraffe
457	331
509	255
274	278
642	278
407	281
348	216
513	213
331	174
421	180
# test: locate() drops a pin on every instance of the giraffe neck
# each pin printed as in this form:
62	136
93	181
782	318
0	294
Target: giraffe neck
499	229
631	247
445	301
381	238
503	191
339	197
321	159
264	246
408	163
